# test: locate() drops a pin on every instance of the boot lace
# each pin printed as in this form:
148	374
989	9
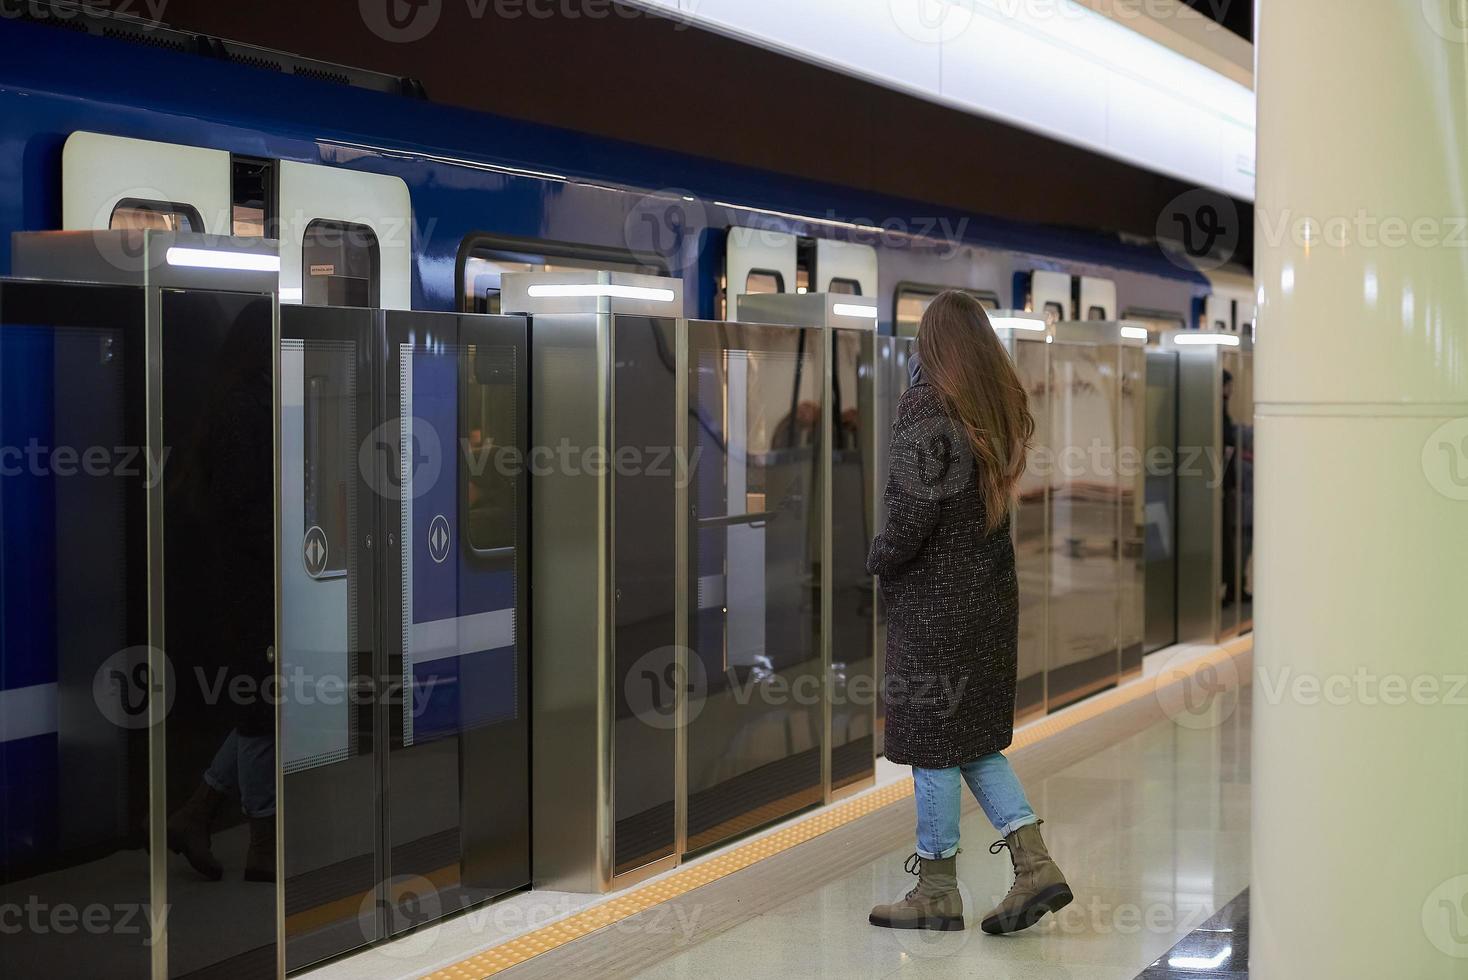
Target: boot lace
914	866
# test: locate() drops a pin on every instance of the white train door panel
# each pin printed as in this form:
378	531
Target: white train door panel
757	260
109	181
840	264
353	209
1218	313
1098	299
1050	295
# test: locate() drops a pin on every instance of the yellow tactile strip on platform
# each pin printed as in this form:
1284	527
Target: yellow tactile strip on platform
680	882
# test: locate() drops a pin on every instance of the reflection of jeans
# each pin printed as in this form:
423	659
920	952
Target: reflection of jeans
993	784
245	764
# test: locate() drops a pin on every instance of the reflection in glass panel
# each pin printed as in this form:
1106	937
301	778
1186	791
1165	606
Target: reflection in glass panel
327	637
892	381
1242	408
853	600
1083	546
1161	509
219	597
1031	557
457	775
645	415
1131	505
74	683
754	740
1232	392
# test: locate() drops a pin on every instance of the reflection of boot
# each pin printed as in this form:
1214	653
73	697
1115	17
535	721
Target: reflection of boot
260	859
188	831
1039	887
934	903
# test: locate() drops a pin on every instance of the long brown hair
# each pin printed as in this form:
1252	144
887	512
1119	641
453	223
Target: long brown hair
962	357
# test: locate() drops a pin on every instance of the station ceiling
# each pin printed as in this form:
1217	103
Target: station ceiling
589	66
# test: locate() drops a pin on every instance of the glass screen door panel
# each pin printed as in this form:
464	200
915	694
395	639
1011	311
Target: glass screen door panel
1231	511
853	602
1031	554
219	630
74	681
893	380
1160	529
327	660
644	588
755	720
453	512
1083	531
1132	505
1241	408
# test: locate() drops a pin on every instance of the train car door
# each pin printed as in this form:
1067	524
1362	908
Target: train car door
1096	298
345	238
1050	295
758	260
844	267
116	182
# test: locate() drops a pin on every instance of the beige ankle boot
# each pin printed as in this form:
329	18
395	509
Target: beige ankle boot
1039	887
934	904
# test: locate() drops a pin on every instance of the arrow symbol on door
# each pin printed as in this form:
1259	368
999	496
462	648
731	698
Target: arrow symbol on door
438	539
315	552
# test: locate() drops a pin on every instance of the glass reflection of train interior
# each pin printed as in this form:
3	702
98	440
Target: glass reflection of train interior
1030	525
644	629
853	599
754	740
1083	526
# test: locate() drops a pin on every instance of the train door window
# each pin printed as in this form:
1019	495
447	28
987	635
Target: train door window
488	423
132	213
764	281
805	265
340	262
484	264
1096	313
1054	313
329	460
913	301
252	197
845	287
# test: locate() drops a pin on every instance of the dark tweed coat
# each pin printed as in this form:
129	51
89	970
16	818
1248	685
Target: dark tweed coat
952	597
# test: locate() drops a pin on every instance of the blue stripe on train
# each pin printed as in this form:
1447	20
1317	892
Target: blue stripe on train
459	693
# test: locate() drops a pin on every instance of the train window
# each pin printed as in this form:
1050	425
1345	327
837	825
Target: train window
484	262
339	264
763	281
135	213
1096	313
330	455
913	299
1054	313
487	420
845	287
252	197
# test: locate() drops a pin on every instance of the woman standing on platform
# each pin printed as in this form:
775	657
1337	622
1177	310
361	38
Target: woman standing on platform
947	574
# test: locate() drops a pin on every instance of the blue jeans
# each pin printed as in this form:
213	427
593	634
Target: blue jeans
245	765
993	784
